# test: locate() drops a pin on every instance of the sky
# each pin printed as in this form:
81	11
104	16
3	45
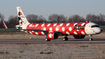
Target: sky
49	7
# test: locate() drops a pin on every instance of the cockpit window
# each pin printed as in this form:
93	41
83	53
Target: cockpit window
94	26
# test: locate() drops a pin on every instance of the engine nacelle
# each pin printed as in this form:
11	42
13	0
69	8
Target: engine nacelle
79	36
52	35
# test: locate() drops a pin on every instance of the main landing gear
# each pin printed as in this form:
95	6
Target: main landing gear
65	38
90	38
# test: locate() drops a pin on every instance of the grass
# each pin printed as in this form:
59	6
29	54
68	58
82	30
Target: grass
103	28
2	30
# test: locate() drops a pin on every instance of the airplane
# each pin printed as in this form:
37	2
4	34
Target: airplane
52	30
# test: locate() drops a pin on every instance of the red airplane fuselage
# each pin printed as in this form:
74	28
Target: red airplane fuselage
64	28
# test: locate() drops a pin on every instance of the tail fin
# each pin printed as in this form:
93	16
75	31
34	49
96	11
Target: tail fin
4	24
21	17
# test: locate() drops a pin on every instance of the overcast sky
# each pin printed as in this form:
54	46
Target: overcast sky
48	7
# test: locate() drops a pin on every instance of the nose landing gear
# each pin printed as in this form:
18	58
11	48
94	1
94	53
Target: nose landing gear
47	39
90	38
65	38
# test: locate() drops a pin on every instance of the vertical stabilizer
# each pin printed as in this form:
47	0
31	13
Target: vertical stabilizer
21	17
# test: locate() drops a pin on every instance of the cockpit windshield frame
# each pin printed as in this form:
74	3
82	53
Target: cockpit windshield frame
94	26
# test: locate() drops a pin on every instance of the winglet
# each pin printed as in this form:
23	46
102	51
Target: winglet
4	25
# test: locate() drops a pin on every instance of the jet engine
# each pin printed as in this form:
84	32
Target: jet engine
52	35
79	36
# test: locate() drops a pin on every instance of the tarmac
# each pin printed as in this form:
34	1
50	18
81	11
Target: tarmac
57	41
34	39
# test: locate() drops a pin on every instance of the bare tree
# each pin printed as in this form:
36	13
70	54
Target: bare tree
99	19
57	18
35	18
62	18
102	17
90	17
53	18
76	18
41	19
12	22
32	18
1	19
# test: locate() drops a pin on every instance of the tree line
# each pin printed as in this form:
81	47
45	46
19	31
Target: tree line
54	18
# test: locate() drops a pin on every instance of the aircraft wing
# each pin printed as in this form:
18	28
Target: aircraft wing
42	31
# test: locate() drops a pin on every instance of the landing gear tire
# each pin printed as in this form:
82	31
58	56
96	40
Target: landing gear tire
90	38
47	39
65	39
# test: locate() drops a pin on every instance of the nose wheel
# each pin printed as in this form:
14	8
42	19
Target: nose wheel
65	38
90	38
47	39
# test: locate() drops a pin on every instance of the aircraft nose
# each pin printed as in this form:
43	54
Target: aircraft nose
98	31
